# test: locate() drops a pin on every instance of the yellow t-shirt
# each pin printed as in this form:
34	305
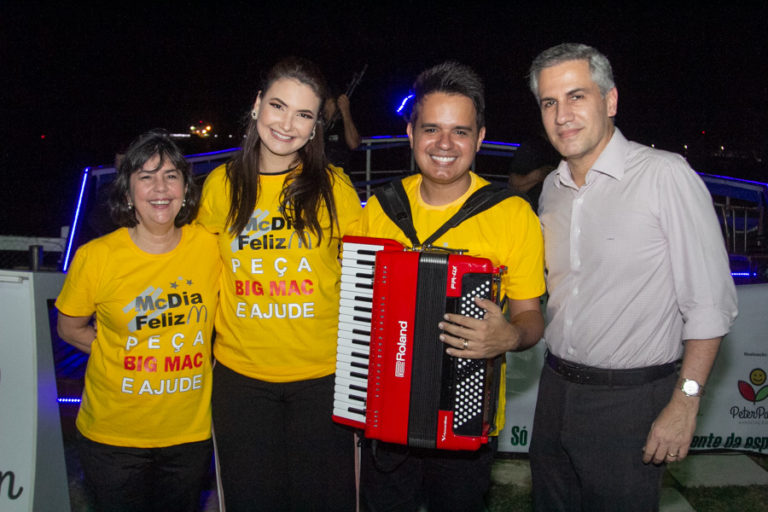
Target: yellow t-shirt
508	234
278	314
148	379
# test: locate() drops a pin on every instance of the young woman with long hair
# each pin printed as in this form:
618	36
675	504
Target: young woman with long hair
279	210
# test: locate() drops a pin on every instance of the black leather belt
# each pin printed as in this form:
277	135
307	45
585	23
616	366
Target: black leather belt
581	374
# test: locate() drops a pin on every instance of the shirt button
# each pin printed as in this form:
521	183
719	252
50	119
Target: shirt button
571	351
575	291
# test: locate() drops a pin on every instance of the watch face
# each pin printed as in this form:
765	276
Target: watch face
691	387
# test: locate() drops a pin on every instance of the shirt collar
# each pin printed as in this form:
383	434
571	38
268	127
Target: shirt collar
610	162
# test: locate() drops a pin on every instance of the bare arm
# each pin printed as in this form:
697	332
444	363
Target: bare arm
351	137
494	335
77	331
525	182
673	429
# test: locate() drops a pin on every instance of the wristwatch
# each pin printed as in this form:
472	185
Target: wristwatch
690	387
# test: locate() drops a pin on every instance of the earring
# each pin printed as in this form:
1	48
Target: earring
313	133
254	114
183	203
130	205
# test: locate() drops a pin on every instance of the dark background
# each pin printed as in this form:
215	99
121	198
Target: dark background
78	81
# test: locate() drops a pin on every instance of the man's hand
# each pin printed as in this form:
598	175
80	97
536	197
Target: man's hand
342	102
475	338
672	432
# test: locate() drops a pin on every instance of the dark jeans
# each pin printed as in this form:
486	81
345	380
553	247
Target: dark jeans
587	445
278	448
398	478
125	479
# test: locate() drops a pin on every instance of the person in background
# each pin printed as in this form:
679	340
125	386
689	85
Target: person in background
638	279
279	210
533	160
446	129
145	415
341	138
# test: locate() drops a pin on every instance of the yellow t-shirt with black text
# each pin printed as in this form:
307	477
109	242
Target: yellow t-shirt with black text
148	379
278	314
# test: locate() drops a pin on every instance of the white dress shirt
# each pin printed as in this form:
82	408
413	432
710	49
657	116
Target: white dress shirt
635	260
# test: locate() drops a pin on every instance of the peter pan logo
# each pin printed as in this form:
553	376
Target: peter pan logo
759	392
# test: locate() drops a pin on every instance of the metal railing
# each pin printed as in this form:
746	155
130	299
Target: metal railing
375	169
373	176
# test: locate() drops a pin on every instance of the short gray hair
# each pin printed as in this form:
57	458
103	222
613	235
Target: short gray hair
599	66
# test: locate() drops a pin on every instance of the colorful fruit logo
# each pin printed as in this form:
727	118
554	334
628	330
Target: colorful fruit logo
757	378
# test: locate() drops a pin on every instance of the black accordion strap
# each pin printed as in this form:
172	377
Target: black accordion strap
481	200
394	202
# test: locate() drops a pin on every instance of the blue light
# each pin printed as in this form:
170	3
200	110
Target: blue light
73	229
511	144
404	102
68	400
230	150
731	178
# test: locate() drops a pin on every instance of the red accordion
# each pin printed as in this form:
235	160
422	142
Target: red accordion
393	377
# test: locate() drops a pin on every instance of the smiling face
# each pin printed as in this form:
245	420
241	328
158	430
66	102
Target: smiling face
445	138
157	191
577	118
287	113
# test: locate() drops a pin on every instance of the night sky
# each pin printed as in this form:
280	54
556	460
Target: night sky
79	82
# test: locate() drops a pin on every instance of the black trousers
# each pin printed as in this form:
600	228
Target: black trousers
587	445
277	446
125	479
397	478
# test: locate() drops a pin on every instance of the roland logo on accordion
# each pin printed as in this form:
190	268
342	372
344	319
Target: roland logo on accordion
402	348
393	377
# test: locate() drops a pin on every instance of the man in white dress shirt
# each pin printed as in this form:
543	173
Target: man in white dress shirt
640	296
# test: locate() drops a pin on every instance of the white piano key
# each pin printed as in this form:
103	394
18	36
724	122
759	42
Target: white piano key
345	372
348	324
365	296
361	305
359	352
355	385
342	400
350	415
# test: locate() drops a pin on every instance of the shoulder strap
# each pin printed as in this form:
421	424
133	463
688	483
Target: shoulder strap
394	202
481	200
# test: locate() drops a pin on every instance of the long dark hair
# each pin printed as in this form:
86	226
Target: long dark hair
146	146
305	192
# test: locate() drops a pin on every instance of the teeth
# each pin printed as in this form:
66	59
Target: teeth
281	136
444	159
163	202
